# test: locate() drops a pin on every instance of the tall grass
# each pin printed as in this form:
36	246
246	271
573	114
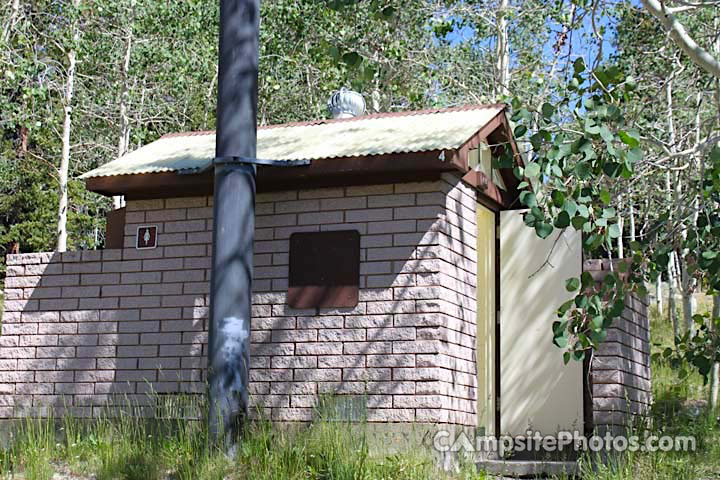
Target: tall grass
678	410
129	447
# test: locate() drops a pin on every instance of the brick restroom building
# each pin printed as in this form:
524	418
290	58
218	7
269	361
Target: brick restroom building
392	270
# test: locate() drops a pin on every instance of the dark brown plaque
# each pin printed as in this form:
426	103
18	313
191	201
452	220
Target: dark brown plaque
146	237
324	269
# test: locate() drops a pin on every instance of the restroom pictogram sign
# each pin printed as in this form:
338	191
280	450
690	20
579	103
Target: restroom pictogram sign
146	237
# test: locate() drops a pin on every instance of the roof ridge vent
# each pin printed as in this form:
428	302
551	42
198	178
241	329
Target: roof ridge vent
346	104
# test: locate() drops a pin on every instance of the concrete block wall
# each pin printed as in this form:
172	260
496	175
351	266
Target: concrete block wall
620	371
82	330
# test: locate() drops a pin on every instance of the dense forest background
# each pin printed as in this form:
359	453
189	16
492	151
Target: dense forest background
145	68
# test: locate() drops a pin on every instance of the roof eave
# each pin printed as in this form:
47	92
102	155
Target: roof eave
373	169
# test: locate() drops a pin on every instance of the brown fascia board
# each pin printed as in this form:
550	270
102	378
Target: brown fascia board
495	132
365	170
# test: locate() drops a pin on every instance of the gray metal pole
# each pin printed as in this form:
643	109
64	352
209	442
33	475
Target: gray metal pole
234	220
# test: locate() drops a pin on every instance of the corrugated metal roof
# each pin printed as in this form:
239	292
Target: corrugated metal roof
360	136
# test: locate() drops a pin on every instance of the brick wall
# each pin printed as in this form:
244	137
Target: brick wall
620	371
82	330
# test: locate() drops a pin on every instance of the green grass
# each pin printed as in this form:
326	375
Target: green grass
679	409
131	448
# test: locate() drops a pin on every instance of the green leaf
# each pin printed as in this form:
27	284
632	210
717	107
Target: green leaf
605	197
631	142
562	220
570	207
634	155
614	231
528	199
520	130
608	212
547	110
387	12
606	134
572	284
352	59
579	65
532	170
583	170
543	230
598	337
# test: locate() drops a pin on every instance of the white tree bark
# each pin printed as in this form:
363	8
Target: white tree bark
12	19
672	263
715	372
698	55
61	245
621	224
124	133
672	283
502	66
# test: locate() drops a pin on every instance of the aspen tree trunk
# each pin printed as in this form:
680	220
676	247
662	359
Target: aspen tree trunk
67	126
14	14
672	272
502	66
715	372
124	134
689	284
621	224
672	310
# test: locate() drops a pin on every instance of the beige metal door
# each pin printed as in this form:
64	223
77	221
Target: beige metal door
537	390
485	336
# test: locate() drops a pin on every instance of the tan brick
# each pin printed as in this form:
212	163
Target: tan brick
100	279
122	266
322	375
365	321
97	303
54	376
368	190
323	322
38	340
44	364
80	316
338	335
21	329
338	361
78	340
292	414
161	314
363	374
41	317
315	218
294	362
19	306
17	352
99	327
34	388
390	415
